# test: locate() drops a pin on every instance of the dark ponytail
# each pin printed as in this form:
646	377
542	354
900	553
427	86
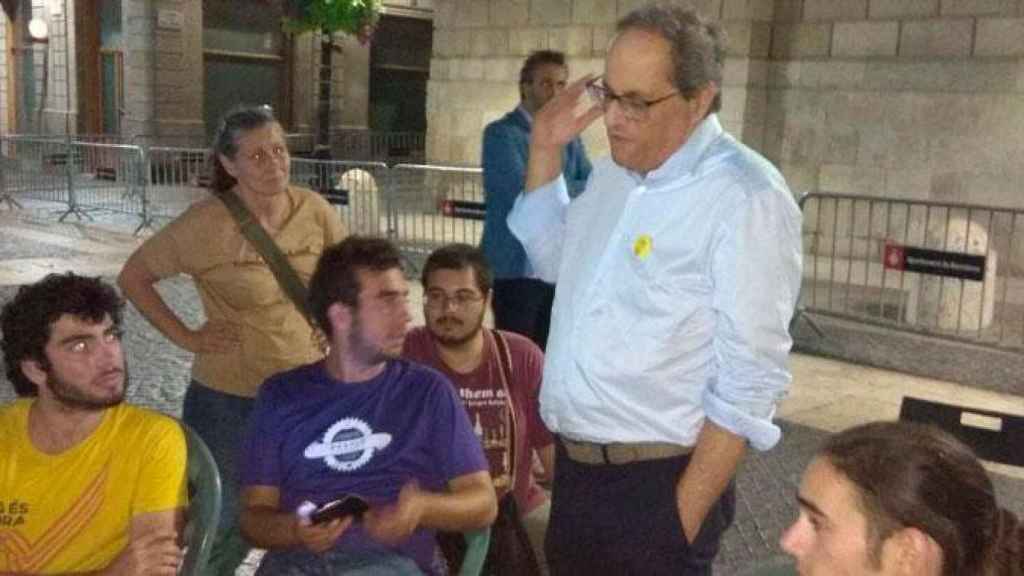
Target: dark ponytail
1006	553
232	125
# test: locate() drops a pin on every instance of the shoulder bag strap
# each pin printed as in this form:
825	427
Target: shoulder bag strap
286	276
505	372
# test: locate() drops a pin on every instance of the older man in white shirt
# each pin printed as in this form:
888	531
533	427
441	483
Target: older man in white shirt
677	272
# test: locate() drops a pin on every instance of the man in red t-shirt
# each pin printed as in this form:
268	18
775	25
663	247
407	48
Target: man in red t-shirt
497	374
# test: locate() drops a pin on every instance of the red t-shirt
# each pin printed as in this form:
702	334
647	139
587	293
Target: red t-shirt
483	396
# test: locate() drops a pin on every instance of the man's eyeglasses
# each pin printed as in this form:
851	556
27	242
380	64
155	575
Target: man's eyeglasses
633	107
439	300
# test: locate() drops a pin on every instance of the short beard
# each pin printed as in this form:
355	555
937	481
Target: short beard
456	341
73	398
359	347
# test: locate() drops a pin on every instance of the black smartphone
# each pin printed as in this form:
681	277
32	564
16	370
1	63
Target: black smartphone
350	505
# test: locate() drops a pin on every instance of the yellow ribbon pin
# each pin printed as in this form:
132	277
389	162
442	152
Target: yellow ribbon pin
642	246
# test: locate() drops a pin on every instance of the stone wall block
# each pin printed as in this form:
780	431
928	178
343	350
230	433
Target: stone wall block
945	37
444	15
1000	37
835	9
747	10
747	38
510	13
892	9
522	41
980	7
460	41
908	184
594	11
488	42
548	13
865	39
602	38
627	6
439	69
471	13
788	10
801	40
848	179
832	74
573	40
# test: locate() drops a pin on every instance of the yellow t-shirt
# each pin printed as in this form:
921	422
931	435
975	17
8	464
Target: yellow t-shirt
71	512
235	284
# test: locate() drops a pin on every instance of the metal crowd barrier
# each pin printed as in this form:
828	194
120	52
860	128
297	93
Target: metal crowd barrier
946	270
420	206
355	188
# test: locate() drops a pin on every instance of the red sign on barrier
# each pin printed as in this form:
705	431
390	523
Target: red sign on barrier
895	257
934	262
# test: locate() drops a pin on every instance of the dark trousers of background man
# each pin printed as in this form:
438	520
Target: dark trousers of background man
613	519
523	306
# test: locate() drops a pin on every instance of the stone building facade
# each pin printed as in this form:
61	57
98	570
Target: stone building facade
918	99
164	68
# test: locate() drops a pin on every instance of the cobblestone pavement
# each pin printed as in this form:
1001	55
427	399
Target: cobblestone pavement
766	483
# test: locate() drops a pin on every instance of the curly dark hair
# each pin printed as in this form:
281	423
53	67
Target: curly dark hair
336	278
27	320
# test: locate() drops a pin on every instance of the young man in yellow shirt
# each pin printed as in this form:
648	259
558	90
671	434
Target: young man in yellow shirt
88	485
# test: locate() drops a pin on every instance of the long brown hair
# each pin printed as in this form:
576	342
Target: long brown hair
914	475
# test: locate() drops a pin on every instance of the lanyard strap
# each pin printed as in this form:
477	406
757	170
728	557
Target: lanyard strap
286	276
505	373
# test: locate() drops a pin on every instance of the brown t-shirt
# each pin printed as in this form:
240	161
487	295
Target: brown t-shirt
236	285
483	396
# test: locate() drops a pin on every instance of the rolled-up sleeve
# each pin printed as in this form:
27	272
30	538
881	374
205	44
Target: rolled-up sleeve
756	270
538	220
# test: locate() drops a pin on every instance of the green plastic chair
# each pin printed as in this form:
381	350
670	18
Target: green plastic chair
477	542
204	493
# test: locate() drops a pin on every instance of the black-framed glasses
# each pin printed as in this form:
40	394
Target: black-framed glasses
633	107
440	300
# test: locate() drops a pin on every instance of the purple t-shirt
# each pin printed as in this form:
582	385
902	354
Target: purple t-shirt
315	438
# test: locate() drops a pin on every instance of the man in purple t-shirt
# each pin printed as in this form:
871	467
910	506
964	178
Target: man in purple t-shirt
361	422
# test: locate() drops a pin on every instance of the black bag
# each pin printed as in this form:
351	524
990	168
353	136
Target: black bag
510	552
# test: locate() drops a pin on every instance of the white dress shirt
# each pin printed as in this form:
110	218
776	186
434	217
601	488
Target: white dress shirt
674	294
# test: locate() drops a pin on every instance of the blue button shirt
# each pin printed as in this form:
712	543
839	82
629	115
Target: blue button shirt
506	145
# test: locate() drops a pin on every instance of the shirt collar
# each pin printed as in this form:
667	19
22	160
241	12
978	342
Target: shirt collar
686	158
522	110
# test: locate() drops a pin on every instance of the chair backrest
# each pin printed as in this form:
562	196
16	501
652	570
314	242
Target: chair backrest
993	436
204	504
477	542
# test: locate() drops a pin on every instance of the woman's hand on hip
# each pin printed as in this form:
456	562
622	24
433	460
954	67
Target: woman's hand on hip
215	337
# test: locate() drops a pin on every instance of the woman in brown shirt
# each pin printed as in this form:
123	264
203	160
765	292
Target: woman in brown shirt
252	329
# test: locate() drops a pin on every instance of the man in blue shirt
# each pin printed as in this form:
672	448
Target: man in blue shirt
678	270
521	303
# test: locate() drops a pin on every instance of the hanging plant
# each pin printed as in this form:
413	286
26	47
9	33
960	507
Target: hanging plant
355	17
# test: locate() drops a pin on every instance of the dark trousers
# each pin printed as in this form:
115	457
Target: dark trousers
622	519
523	306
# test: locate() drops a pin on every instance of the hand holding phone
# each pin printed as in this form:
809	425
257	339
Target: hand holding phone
350	505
